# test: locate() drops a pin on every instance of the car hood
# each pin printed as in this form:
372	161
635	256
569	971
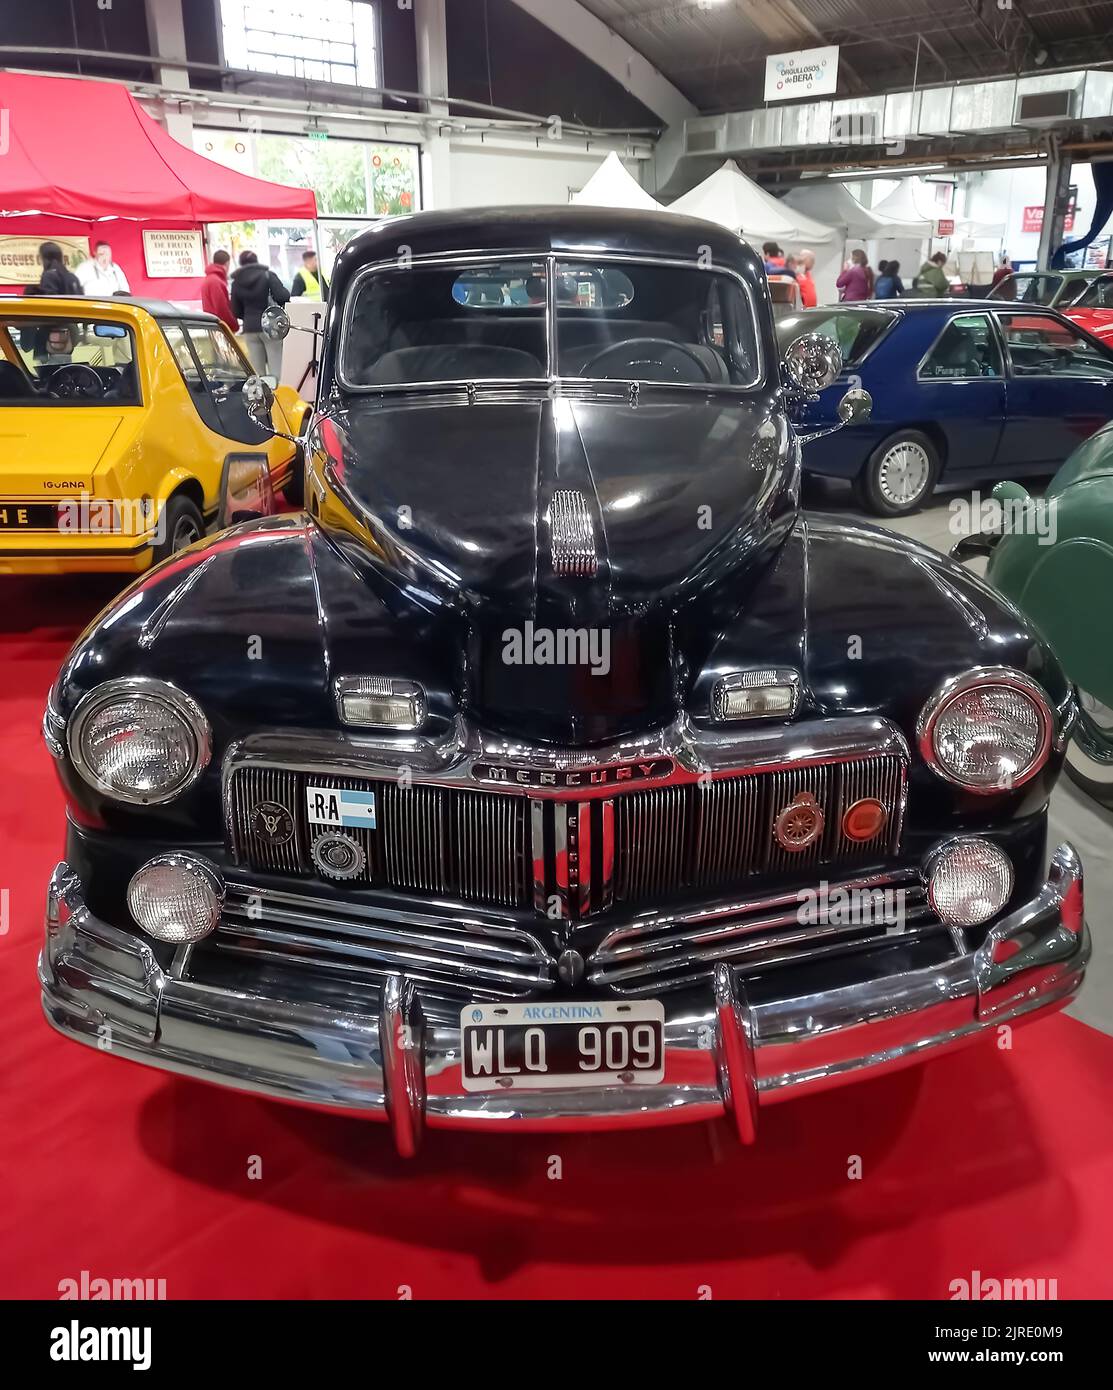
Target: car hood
458	501
47	451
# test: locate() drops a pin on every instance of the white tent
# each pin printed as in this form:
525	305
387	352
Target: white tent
613	186
833	203
727	196
884	237
912	200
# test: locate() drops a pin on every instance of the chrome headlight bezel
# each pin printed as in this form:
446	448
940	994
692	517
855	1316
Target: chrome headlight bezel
158	692
980	678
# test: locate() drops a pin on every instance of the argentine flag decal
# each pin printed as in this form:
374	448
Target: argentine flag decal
335	806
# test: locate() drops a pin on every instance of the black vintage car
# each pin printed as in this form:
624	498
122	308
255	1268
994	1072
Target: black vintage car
553	770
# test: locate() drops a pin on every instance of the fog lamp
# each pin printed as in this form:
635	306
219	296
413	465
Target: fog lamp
380	702
968	881
755	695
176	897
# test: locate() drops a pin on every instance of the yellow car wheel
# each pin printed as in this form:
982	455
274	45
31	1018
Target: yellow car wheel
182	525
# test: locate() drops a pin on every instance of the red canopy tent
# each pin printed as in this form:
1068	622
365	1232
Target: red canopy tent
86	150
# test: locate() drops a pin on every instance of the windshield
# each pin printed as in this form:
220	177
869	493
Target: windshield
63	360
1029	289
1098	296
855	330
638	321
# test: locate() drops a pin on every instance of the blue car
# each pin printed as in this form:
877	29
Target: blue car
964	391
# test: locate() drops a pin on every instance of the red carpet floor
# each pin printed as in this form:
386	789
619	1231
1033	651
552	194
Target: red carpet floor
1000	1162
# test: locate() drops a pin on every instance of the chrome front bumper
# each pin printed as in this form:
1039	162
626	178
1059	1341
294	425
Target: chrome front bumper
724	1054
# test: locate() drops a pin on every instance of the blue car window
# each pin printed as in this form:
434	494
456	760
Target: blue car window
1046	346
967	348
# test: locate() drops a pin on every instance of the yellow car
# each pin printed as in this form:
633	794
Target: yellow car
121	422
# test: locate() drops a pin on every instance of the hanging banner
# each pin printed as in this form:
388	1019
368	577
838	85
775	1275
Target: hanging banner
173	255
19	256
809	72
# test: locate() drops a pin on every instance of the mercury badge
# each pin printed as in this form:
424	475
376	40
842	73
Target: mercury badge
338	855
799	824
272	822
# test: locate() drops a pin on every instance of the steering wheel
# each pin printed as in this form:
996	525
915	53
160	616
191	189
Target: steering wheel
76	381
627	353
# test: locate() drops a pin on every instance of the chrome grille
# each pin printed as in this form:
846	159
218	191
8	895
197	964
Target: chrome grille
637	846
669	952
479	959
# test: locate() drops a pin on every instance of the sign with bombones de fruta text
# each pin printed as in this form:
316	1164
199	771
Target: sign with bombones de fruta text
173	254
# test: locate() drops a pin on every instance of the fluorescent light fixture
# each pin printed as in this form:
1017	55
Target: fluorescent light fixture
886	169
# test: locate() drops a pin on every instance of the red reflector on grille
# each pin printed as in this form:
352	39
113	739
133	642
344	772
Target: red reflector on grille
864	820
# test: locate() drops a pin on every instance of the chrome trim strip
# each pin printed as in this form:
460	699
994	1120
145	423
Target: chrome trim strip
571	535
450	761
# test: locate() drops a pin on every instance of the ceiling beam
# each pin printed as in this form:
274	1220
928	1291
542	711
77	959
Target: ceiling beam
569	20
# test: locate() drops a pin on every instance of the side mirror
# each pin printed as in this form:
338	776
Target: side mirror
246	490
274	323
258	398
855	406
812	362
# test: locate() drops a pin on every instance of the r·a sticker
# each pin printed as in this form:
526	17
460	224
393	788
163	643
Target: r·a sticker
340	806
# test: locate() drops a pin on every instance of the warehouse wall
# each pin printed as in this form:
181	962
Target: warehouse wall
488	176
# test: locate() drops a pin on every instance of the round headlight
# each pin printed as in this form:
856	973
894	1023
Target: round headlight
987	731
139	740
176	897
968	882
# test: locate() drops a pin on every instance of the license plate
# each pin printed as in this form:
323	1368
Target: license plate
528	1047
28	516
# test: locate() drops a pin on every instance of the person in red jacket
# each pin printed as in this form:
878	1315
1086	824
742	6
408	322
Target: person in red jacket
214	291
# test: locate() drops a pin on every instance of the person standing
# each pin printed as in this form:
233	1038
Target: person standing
856	281
932	282
214	291
1003	271
100	275
56	278
774	259
889	284
254	288
309	282
805	262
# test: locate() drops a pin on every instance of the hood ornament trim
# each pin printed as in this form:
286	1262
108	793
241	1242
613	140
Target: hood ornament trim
572	535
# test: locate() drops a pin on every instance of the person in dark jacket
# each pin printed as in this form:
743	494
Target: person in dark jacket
56	279
889	284
309	281
254	287
214	291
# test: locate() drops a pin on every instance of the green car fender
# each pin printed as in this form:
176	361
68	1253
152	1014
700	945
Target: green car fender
1059	572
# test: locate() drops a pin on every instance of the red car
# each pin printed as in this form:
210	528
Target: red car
1093	310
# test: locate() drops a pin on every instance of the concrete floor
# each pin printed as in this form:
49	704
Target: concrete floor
1074	817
